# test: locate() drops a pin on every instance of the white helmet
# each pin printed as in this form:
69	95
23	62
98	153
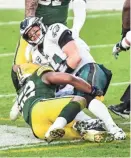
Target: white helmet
27	24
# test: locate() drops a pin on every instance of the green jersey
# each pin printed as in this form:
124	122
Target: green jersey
53	11
33	91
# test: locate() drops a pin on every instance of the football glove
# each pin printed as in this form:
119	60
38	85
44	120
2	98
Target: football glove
96	91
117	49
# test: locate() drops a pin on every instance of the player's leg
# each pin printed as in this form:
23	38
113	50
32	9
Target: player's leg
44	113
122	109
96	76
99	109
66	116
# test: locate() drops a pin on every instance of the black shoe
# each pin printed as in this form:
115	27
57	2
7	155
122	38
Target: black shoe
120	110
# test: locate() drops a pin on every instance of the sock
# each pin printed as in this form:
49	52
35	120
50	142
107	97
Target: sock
60	122
70	111
101	111
81	116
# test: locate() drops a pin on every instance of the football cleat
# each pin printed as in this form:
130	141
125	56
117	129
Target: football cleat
118	133
97	136
55	134
14	112
83	126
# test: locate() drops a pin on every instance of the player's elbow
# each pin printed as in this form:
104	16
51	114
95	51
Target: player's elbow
70	79
74	60
77	59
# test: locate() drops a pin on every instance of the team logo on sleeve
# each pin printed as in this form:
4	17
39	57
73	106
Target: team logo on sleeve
55	30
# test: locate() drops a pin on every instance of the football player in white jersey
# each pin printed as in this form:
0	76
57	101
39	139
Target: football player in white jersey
72	56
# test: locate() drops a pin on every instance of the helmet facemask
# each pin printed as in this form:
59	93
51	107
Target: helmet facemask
31	24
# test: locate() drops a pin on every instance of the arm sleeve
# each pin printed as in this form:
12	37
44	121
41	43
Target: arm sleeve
65	38
79	9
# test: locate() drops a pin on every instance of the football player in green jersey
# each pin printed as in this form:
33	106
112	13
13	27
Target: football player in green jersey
40	108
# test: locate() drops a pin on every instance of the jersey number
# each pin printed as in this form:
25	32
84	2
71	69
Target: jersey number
53	2
56	62
29	91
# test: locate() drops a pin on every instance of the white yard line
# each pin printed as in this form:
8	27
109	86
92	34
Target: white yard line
23	138
9	23
13	94
101	46
119	83
93	46
98	15
6	54
125	123
39	144
7	95
69	18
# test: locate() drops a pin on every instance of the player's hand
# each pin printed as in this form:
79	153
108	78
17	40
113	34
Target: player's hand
117	49
96	91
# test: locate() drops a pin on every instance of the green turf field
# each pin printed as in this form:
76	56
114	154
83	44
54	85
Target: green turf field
101	31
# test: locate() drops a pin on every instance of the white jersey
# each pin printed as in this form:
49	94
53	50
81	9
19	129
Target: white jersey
38	58
54	54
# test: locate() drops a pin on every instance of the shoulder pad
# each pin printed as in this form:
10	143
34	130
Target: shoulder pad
44	68
55	31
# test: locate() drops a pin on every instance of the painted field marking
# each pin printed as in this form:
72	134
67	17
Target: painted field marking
39	143
120	83
69	18
6	54
93	16
47	147
13	94
92	47
7	95
125	123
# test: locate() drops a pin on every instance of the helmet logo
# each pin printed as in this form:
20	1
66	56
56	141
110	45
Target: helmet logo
55	30
24	24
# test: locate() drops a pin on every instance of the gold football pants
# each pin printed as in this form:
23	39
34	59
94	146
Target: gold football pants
45	112
20	55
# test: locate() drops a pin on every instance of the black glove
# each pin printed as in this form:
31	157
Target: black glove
96	91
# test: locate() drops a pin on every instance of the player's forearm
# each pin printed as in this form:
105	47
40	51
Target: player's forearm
126	15
126	18
30	7
60	78
79	9
73	61
81	85
72	52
